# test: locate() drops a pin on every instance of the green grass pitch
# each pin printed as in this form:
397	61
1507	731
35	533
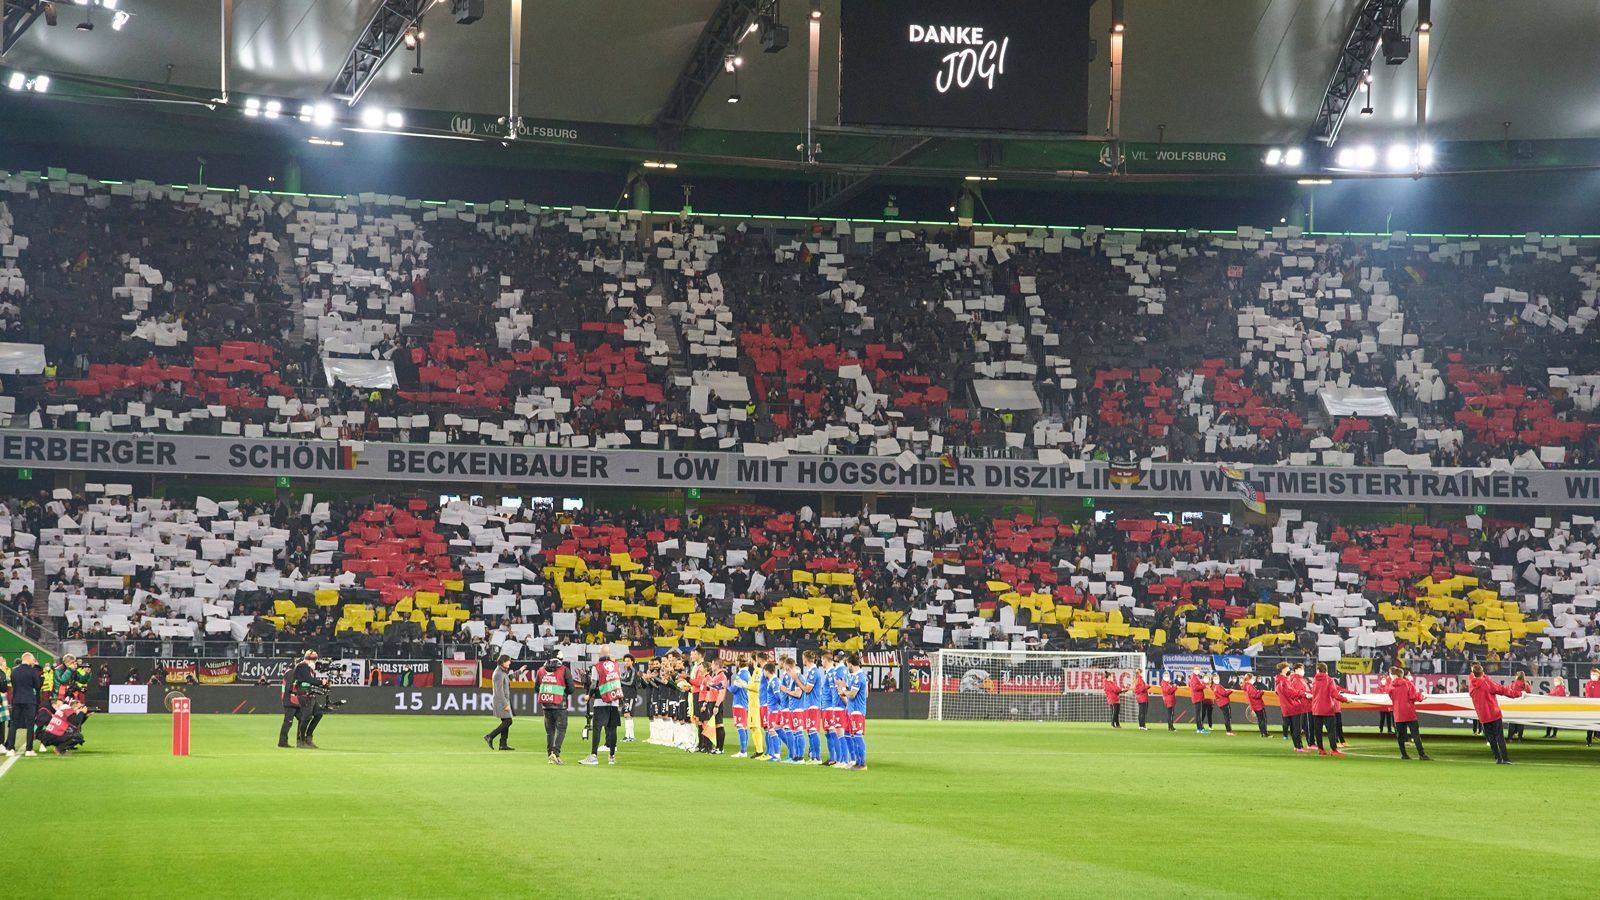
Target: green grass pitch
397	806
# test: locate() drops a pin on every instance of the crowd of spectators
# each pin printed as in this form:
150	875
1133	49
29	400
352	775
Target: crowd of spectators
219	313
405	577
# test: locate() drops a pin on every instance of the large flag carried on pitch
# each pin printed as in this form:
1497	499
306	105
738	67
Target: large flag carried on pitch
1577	713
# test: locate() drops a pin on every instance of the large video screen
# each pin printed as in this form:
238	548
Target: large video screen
1010	65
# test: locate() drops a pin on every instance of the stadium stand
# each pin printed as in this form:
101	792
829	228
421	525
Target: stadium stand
379	318
411	578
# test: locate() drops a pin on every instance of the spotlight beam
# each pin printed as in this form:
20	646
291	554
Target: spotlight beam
19	16
384	34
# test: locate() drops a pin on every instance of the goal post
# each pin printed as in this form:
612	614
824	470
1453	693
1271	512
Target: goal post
1029	685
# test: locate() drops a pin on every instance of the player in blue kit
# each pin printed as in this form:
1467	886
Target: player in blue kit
828	696
855	689
810	679
794	737
771	708
841	719
739	690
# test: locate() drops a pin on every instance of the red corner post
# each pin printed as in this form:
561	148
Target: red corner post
180	726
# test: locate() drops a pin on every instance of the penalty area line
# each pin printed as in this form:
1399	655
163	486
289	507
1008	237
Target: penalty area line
6	766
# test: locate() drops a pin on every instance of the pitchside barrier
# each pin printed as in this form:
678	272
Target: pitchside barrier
266	701
240	699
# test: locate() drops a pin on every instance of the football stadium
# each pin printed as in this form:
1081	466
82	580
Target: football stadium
454	448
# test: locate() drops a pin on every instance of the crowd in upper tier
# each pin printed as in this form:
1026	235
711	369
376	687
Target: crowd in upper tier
377	318
406	576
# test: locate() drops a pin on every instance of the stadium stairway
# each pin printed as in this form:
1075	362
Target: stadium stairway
41	592
289	280
667	333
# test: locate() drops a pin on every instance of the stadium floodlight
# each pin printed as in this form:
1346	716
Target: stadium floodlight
271	109
252	107
1399	157
816	9
394	119
1313	182
1425	156
656	164
324	142
1274	157
774	36
41	84
1366	156
1346	159
119	20
1293	157
17	81
372	117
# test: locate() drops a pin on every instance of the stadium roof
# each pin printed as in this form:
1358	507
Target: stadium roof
1207	89
1246	71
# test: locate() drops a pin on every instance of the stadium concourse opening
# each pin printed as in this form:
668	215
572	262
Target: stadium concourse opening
398	534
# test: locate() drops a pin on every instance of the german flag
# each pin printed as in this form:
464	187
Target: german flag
1126	472
948	460
1253	495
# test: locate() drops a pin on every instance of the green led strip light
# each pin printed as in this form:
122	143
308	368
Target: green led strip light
933	223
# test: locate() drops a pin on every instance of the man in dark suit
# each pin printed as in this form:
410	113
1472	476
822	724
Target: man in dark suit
27	681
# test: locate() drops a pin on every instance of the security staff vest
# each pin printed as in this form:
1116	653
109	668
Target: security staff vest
607	682
553	686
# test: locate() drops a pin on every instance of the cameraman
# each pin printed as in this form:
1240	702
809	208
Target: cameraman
554	682
605	693
297	705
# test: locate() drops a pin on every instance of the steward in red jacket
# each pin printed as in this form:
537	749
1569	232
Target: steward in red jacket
1256	700
1484	691
1324	707
1141	696
1558	688
1198	697
1403	699
1169	698
1113	699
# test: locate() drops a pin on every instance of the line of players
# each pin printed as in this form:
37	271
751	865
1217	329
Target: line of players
1312	711
783	710
801	708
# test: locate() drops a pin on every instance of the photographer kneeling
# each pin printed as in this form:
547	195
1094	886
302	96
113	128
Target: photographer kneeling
304	689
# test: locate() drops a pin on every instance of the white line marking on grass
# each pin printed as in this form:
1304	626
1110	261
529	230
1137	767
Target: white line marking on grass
6	766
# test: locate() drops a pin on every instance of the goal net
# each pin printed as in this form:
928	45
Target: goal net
1030	685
